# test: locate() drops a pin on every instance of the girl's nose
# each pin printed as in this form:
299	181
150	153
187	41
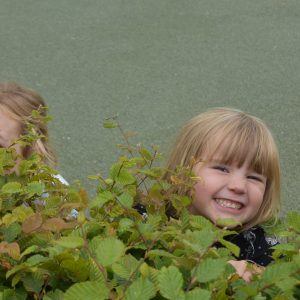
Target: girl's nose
237	184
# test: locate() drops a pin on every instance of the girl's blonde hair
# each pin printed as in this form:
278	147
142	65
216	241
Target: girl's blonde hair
19	102
237	136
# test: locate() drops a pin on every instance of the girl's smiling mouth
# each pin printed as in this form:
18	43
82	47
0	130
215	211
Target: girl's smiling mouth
226	203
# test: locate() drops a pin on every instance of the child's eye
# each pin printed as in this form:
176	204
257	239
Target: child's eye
256	178
220	168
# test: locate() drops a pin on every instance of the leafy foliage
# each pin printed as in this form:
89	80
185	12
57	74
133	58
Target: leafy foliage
111	251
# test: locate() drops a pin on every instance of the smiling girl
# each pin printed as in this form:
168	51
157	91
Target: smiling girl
238	165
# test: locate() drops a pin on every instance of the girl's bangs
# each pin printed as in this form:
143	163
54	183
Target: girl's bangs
237	146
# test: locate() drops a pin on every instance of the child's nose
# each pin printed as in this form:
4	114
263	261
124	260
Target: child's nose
237	184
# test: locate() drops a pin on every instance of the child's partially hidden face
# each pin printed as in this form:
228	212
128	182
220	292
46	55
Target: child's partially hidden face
227	191
10	131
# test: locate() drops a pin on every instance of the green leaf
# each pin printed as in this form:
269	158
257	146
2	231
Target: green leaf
109	250
145	153
29	250
11	232
287	284
197	294
228	223
293	220
111	124
101	199
234	249
35	188
200	222
54	295
158	252
33	282
126	200
125	178
89	290
95	273
170	283
70	242
12	188
36	259
125	224
114	170
200	240
210	269
278	271
11	294
126	266
140	289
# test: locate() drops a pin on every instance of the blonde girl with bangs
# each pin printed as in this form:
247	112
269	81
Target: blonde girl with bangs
236	159
16	106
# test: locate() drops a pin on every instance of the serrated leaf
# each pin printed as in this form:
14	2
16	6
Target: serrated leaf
198	294
78	270
125	267
125	178
57	224
54	295
32	223
287	284
70	242
234	249
210	269
35	260
29	250
145	153
12	249
109	250
33	282
228	223
200	222
125	224
200	240
11	232
101	199
89	290
276	272
293	219
12	294
158	252
126	200
95	273
114	170
35	188
140	289
170	283
12	188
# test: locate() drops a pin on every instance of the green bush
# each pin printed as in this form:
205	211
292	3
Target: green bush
110	251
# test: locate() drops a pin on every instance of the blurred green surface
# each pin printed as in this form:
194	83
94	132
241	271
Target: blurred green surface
156	63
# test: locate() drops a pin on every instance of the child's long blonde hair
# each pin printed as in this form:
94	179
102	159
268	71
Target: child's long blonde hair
19	102
238	136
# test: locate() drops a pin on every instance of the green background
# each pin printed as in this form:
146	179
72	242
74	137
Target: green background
155	64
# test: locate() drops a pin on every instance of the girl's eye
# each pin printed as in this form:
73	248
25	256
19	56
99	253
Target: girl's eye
221	168
256	178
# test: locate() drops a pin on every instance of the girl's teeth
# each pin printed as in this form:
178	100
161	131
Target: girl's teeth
228	204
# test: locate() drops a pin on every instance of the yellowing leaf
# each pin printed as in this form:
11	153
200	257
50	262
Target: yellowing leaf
12	249
32	223
57	224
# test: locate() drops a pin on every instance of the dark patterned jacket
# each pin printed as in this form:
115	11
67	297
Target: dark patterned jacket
254	245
